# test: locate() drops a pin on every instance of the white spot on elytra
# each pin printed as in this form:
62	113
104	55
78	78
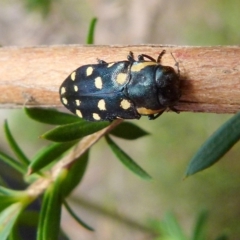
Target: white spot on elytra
102	105
64	100
73	76
78	112
78	102
121	78
63	90
75	88
89	71
125	104
98	82
96	116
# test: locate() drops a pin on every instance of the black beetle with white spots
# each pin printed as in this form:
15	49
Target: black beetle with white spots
125	89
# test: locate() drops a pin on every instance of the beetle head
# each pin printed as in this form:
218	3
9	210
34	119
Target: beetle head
168	84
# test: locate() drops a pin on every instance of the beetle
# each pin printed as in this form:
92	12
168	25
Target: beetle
124	89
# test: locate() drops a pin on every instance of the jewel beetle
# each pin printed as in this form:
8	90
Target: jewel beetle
125	89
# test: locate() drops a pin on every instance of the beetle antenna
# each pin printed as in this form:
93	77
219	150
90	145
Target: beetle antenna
176	64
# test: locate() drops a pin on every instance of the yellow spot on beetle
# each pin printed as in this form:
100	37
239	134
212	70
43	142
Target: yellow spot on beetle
64	100
73	76
96	116
75	88
110	64
89	71
139	66
63	90
98	82
102	105
121	78
125	104
78	102
146	111
78	112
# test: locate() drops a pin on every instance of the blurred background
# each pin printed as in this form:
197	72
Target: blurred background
116	203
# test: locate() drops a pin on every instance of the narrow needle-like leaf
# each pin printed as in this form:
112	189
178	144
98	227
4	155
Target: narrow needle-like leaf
13	163
129	131
51	116
80	221
74	131
216	146
126	160
49	154
16	149
7	219
90	37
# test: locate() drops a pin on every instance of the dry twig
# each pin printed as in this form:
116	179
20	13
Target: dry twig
210	75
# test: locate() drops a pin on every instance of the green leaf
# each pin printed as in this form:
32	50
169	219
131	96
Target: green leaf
80	221
127	130
216	146
43	6
74	131
49	221
90	37
6	201
126	160
43	213
49	154
171	228
9	196
29	218
14	234
51	116
7	219
12	163
199	232
75	173
16	149
10	192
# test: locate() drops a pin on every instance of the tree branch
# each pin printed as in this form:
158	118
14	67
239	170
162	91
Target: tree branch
32	75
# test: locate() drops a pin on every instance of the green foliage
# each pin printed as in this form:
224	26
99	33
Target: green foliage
79	220
16	149
12	163
42	6
64	177
50	214
126	160
8	218
170	229
50	116
128	131
75	173
74	131
56	181
90	37
216	146
48	154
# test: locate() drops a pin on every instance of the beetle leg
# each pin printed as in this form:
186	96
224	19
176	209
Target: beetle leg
100	61
130	57
142	56
153	117
160	55
174	109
